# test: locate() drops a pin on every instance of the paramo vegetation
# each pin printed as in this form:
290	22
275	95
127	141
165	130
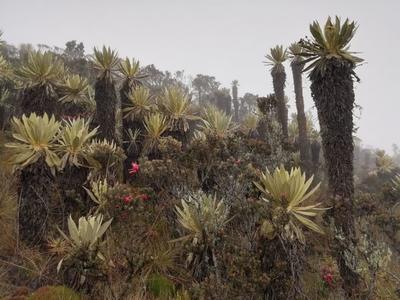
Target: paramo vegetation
121	181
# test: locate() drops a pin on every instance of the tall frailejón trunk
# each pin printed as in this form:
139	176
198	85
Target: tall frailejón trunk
106	102
278	80
334	99
37	201
304	143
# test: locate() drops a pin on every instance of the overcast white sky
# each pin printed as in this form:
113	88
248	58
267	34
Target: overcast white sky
225	38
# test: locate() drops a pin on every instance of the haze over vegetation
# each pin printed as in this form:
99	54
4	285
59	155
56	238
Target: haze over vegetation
215	155
225	39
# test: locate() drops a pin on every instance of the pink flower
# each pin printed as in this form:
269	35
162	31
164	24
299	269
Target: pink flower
134	168
238	161
127	199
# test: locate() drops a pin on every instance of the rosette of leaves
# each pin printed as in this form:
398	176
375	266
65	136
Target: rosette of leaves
104	157
130	70
216	122
34	137
41	69
155	126
40	76
203	217
87	233
77	95
75	90
140	104
84	240
105	61
384	163
98	193
286	192
328	43
176	106
278	55
72	142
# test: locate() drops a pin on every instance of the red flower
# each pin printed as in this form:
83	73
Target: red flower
134	168
145	197
238	161
327	276
127	199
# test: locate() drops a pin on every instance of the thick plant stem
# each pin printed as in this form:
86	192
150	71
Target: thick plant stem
334	99
37	192
278	80
106	101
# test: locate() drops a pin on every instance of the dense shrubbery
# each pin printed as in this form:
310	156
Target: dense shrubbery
155	195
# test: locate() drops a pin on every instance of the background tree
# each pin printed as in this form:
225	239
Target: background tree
76	61
276	58
105	61
248	104
297	69
73	50
158	80
24	50
332	73
205	86
222	99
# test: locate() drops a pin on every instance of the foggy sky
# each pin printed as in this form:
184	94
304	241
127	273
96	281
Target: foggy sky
227	39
